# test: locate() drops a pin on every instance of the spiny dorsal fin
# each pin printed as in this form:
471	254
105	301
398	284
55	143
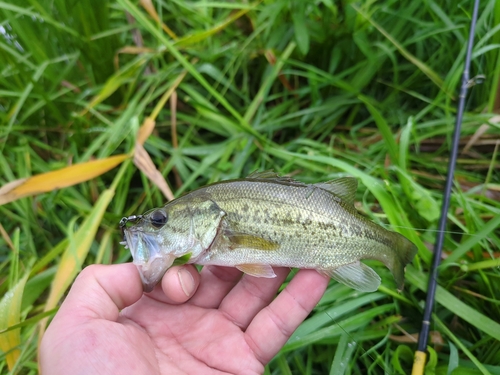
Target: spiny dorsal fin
264	174
273	176
344	188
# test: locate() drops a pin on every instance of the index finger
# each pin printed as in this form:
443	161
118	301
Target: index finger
273	326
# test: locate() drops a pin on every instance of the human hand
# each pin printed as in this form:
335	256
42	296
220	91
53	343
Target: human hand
216	322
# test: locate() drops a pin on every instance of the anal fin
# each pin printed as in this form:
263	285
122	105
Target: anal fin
355	275
257	270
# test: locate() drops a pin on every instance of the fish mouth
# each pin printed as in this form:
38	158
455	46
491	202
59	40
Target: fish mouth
147	257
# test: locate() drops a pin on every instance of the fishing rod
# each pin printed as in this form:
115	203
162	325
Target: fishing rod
421	354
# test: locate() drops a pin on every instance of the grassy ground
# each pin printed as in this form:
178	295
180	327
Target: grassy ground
314	89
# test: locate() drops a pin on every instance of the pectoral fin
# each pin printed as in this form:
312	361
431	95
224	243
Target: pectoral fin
257	270
249	241
355	275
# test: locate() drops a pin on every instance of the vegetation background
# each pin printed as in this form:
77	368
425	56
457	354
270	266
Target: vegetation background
316	89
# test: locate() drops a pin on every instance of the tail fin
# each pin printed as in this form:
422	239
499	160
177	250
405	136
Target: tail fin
404	252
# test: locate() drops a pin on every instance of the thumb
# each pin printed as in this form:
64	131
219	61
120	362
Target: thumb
101	291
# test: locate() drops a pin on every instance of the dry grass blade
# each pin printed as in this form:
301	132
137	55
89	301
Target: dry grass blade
130	50
143	161
6	237
145	130
149	7
435	338
271	58
61	178
479	133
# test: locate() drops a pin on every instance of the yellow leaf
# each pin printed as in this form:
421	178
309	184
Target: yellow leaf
61	178
10	311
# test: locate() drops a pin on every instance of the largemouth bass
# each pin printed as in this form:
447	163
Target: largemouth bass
263	221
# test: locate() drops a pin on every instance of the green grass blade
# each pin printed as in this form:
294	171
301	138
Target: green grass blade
10	315
452	303
471	241
132	9
433	76
343	354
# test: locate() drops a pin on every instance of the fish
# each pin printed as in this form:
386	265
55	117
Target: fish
265	221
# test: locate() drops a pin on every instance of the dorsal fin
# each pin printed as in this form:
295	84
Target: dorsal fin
344	188
264	174
273	176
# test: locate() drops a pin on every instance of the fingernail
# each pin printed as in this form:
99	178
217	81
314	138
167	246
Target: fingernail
186	280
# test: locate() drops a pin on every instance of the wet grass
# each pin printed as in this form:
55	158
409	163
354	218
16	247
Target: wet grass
317	90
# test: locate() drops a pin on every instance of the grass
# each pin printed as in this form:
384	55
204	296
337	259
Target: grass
319	90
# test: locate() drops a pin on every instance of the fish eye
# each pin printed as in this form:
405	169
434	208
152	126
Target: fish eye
158	218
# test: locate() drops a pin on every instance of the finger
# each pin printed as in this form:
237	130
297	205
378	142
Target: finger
273	326
177	285
215	284
180	283
101	291
250	296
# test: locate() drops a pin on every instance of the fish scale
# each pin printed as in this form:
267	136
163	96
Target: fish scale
264	221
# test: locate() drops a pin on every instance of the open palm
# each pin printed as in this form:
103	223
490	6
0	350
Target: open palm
229	324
